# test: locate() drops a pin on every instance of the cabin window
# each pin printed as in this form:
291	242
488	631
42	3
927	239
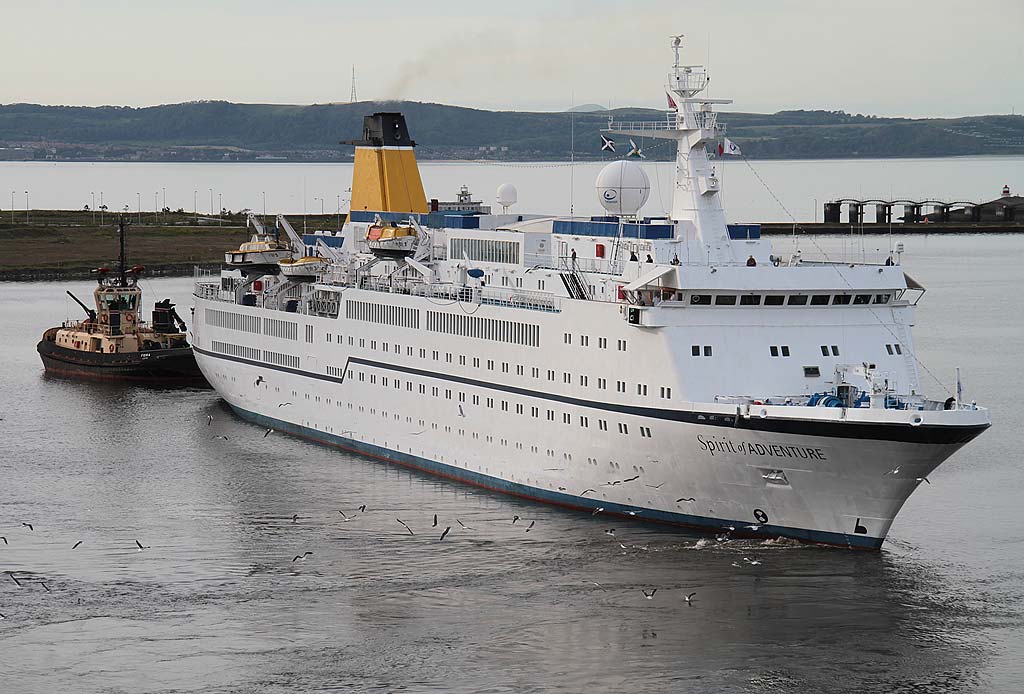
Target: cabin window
725	300
812	371
774	300
882	298
899	350
819	300
841	299
785	350
750	300
861	299
700	299
835	350
824	350
774	350
798	300
888	348
695	350
707	350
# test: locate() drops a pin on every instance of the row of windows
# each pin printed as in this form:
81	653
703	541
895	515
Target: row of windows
289	360
788	300
281	328
485	250
890	348
602	342
233	321
825	350
513	332
236	350
401	316
489	402
697	350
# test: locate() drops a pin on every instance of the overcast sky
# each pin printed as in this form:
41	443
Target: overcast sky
892	58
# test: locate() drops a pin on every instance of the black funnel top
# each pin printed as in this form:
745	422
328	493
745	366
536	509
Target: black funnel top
383	130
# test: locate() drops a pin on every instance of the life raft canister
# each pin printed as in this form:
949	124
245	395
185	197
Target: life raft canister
110	348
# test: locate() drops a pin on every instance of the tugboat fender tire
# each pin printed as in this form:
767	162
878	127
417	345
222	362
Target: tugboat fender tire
110	348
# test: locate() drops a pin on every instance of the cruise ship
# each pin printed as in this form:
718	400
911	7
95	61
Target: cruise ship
674	370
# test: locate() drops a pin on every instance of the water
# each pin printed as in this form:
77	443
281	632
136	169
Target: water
217	604
801	186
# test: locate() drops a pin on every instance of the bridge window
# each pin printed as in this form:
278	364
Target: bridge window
882	298
750	300
700	299
797	300
774	300
819	300
862	299
725	300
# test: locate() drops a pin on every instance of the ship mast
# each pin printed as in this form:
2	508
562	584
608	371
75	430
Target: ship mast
122	272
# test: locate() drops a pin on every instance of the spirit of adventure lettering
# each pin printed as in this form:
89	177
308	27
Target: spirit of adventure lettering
713	446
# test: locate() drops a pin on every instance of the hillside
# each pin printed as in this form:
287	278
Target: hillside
218	131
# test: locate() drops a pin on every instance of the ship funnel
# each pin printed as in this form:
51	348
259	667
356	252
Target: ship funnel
385	177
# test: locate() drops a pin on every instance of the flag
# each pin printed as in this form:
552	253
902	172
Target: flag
729	147
720	149
671	102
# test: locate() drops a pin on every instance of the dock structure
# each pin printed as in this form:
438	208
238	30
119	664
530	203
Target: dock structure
1004	211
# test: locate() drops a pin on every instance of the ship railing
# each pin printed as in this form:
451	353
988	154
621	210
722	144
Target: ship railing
210	291
199	272
643	125
704	120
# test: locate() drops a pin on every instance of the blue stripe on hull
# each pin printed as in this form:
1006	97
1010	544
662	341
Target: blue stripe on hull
556	498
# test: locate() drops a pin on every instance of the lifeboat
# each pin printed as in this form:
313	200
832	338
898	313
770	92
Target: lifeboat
258	250
392	241
306	266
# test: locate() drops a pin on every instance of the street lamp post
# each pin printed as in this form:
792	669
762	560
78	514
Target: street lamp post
101	208
264	207
138	205
211	202
26	207
156	209
195	205
93	208
164	198
12	207
220	207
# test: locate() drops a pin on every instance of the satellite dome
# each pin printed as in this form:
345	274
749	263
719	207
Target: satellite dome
507	195
623	187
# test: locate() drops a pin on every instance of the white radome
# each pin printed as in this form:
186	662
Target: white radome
623	187
507	195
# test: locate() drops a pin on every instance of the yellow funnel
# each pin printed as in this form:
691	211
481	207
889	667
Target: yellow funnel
385	177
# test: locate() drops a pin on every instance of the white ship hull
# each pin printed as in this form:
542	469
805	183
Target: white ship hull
814	474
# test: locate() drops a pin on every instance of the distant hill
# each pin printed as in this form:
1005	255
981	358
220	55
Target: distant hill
218	131
587	108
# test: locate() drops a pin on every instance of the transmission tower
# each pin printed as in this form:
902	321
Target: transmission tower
352	96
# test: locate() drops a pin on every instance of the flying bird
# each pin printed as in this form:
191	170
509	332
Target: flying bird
532	523
655	486
446	531
462	524
630	479
461	413
267	433
597	584
140	546
649	596
406	526
301	557
209	419
597	510
752	527
607	144
283	404
752	562
435	521
634	513
75	546
13	577
514	519
4	539
924	479
295	518
28	525
362	508
635	151
587	491
689	598
610	532
221	437
45	587
345	517
685	499
259	380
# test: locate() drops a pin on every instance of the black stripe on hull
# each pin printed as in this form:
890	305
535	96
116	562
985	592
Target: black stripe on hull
170	366
903	433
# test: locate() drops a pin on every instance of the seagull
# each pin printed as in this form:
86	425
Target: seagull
406	526
267	433
649	596
752	562
140	546
362	509
737	565
610	532
283	404
689	598
531	526
597	584
435	521
894	471
924	479
295	518
587	491
623	546
635	151
685	499
607	144
446	531
13	577
634	513
730	528
259	379
28	525
630	479
655	486
3	616
301	557
209	419
597	510
44	586
346	518
514	519
561	489
417	433
75	546
221	437
462	524
461	413
752	527
4	539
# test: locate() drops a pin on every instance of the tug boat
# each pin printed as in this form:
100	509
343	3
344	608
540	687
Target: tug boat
113	343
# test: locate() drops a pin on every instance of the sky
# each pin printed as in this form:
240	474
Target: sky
887	58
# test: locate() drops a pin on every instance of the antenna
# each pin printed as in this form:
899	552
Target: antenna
352	97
